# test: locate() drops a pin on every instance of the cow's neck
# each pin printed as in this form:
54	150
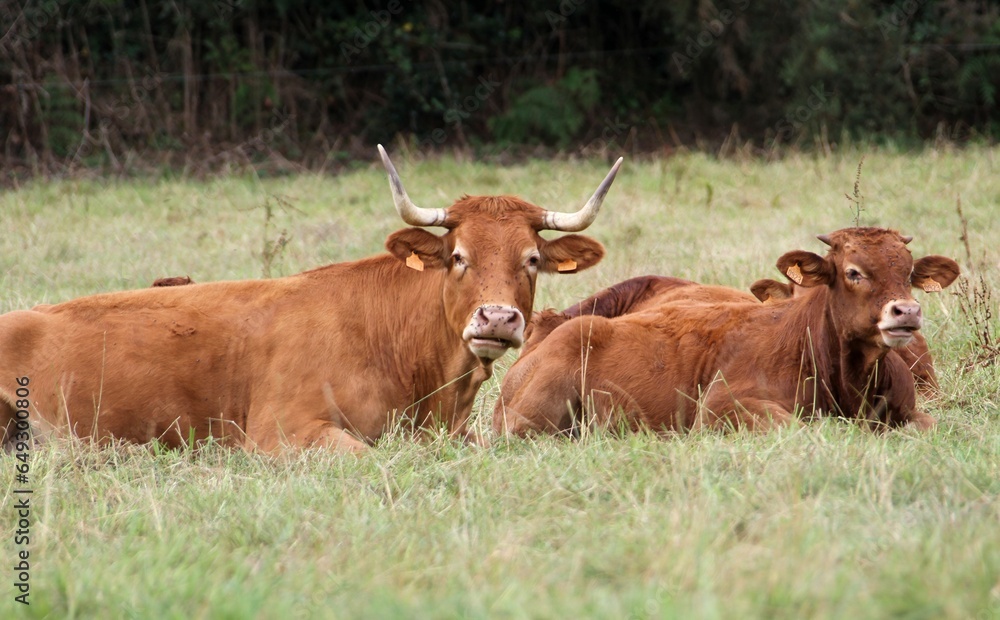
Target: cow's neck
846	369
408	333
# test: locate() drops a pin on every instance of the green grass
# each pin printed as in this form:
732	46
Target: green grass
826	521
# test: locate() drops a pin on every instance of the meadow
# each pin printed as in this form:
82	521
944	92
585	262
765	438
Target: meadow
824	521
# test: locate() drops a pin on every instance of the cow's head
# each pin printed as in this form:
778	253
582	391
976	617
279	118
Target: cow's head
870	273
491	256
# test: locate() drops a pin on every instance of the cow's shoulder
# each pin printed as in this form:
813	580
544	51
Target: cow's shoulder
20	330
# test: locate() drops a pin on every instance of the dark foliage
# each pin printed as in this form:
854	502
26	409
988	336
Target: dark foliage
220	82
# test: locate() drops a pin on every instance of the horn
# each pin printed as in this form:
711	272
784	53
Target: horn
906	238
825	239
574	222
411	213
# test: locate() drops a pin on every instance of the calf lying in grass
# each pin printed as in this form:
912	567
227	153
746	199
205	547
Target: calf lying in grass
692	356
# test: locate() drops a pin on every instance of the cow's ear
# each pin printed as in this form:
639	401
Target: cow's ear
417	247
933	273
768	289
806	269
570	253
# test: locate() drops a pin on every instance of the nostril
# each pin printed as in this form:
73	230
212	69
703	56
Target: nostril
905	309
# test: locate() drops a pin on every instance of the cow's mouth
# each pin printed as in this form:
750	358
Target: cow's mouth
489	348
898	335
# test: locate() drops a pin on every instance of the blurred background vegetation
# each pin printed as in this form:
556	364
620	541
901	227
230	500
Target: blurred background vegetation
218	83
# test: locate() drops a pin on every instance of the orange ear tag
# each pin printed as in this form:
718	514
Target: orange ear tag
794	274
567	265
413	262
930	285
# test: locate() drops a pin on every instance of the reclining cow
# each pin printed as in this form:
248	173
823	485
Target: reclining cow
330	357
681	364
644	292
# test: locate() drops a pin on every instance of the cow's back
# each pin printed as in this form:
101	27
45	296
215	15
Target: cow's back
661	368
613	368
262	363
135	365
629	297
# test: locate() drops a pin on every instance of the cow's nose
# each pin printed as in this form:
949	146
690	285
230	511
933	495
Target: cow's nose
499	315
493	329
905	309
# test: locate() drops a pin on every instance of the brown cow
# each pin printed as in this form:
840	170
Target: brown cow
685	364
644	292
330	357
916	355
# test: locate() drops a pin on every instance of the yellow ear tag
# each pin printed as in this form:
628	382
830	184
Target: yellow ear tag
413	262
567	265
794	274
930	285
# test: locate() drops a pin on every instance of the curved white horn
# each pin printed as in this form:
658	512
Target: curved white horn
411	213
574	222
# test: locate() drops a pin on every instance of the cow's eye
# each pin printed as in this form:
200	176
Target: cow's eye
457	260
533	261
854	275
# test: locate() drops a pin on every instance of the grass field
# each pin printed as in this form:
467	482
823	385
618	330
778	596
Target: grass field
826	521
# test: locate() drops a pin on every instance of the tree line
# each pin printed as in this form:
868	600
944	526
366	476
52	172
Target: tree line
225	82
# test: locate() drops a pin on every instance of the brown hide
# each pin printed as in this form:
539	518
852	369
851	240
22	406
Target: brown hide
173	281
334	357
627	297
692	362
916	355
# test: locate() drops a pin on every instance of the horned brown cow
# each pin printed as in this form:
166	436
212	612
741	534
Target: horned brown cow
685	364
334	356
